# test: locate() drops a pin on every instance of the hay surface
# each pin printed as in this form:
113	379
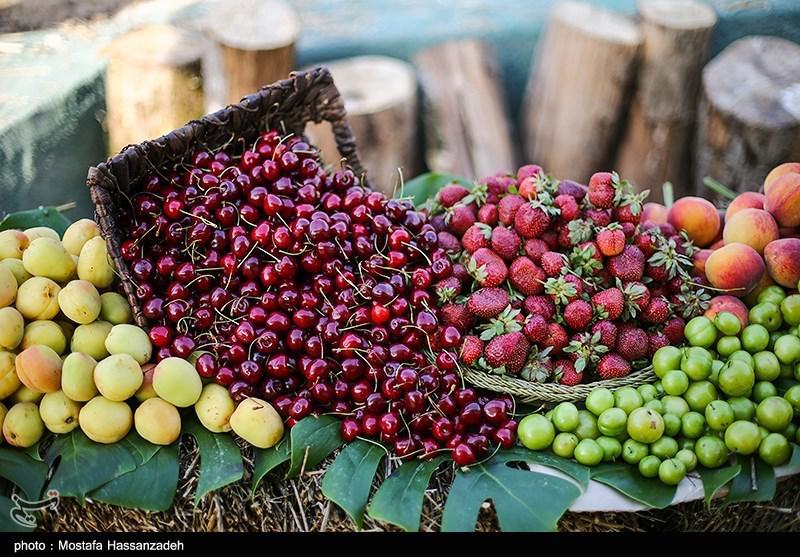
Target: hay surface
298	505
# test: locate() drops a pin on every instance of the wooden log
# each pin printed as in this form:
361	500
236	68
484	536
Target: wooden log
749	114
380	96
578	88
466	123
252	46
153	84
656	145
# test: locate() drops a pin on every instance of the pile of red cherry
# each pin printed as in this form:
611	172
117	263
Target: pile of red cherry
306	289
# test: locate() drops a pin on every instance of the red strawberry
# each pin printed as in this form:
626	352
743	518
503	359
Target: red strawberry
612	366
657	311
536	329
509	350
658	273
637	296
540	305
535	248
487	268
569	207
553	263
673	329
476	237
576	282
564	237
610	240
611	301
628	229
647	242
631	343
457	315
487	302
448	242
460	272
505	242
551	238
566	374
528	171
531	221
655	340
526	276
602	192
447	289
507	208
527	188
600	217
459	219
578	314
607	331
452	194
627	266
667	229
471	350
487	214
632	213
556	338
576	190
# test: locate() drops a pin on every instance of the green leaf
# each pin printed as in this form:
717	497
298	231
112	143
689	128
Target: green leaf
715	479
427	185
627	480
140	449
151	487
41	216
85	465
398	500
525	501
577	472
220	459
6	522
348	480
33	452
756	482
312	439
794	461
267	459
28	474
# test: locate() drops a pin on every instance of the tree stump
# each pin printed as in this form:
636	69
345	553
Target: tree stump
380	96
657	142
153	84
577	91
252	46
749	114
467	131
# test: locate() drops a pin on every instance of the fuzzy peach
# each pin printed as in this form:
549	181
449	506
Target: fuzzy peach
731	304
746	200
735	268
700	258
780	171
783	200
698	217
654	212
783	261
754	227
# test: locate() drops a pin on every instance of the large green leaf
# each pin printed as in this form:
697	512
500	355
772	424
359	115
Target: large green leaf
220	459
398	500
715	479
41	216
267	459
85	465
627	480
525	501
6	522
140	449
577	472
425	186
348	480
150	487
312	439
28	474
756	482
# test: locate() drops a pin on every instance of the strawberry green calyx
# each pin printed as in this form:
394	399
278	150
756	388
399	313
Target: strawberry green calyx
506	322
587	349
561	290
580	230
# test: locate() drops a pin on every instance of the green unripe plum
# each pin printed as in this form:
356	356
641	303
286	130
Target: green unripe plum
727	323
675	405
91	339
655	405
711	451
647	391
671	471
666	447
46	257
672	424
37	298
77	377
736	378
114	308
665	359
787	349
792	396
77	234
633	451
648	466
699	395
587	426
12	327
692	425
563	444
645	425
767	366
688	458
258	423
719	415
716	367
790	431
766	314
762	390
675	382
700	331
742	356
612	422
696	363
118	377
94	263
790	310
129	339
565	417
589	452
536	432
628	399
105	421
774	449
687	444
743	408
176	381
612	448
599	400
774	413
157	421
59	413
23	426
728	345
47	333
774	294
742	437
755	338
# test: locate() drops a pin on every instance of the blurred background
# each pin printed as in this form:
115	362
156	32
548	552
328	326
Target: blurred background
660	90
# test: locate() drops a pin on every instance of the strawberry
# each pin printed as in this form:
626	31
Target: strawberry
578	314
667	229
536	329
457	315
487	268
576	190
487	214
564	237
448	242
607	331
631	213
553	263
600	217
540	305
471	349
655	340
658	273
657	311
631	342
612	366
560	290
459	219
568	206
476	237
528	187
576	282
529	171
452	194
505	242
507	208
556	338
550	237
627	266
566	374
637	296
509	350
526	276
535	248
611	301
628	229
673	330
487	302
610	240
447	289
531	220
602	192
647	241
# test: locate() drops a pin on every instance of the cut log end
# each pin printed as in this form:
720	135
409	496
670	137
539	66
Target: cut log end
163	45
678	14
593	21
253	24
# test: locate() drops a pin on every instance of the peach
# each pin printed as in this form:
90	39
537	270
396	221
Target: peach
780	171
655	213
716	245
783	200
783	261
735	268
731	304
700	259
39	369
746	200
698	217
754	227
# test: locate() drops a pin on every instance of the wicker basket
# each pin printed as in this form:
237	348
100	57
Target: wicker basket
308	96
552	393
